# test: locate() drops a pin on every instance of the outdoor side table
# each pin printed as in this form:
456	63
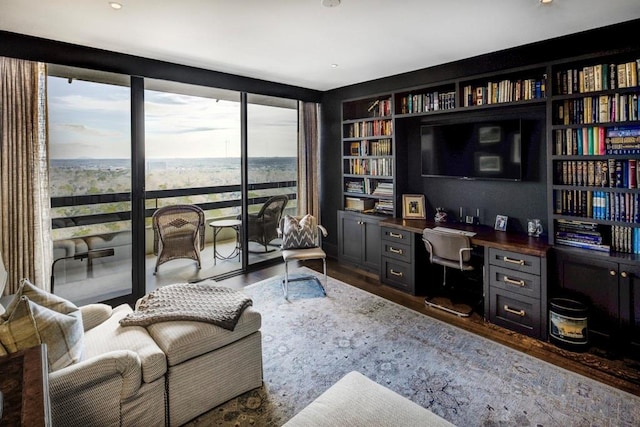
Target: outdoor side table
217	227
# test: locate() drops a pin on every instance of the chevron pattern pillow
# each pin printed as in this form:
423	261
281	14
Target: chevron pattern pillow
299	234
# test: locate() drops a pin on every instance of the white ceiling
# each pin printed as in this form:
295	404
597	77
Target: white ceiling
296	41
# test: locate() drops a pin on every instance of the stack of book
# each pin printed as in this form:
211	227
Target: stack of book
384	189
354	187
384	206
580	234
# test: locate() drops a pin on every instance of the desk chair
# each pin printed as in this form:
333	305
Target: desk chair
449	250
302	240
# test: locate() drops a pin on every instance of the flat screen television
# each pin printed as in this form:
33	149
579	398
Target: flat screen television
480	150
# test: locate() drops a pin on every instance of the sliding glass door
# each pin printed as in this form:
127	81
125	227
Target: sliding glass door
90	182
272	171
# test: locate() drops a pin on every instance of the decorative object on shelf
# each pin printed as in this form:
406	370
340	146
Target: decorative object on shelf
413	206
441	215
534	227
501	222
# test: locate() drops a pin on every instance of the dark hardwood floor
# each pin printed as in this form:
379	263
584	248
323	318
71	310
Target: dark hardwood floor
621	373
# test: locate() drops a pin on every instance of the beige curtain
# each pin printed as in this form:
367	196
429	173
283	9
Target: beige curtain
24	183
309	160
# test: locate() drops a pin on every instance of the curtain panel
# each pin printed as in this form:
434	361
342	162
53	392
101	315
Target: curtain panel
309	160
24	184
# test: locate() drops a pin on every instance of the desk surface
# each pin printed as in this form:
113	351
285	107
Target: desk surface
485	235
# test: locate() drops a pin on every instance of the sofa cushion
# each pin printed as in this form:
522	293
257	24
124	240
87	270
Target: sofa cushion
184	340
355	400
110	336
29	324
42	298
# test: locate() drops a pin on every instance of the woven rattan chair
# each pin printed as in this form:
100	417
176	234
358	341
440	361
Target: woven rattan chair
263	226
178	232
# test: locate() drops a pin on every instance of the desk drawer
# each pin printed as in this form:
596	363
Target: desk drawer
515	261
515	312
514	281
396	250
396	235
398	274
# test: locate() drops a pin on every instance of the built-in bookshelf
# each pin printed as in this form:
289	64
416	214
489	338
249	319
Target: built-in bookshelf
368	155
517	86
595	155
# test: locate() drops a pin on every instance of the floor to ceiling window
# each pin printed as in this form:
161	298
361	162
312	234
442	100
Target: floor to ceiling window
192	157
272	168
90	179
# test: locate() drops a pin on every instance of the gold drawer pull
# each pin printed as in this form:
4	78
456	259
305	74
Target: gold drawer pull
396	235
396	273
513	261
512	311
395	251
520	283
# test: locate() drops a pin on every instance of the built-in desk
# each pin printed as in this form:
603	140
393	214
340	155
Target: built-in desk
515	270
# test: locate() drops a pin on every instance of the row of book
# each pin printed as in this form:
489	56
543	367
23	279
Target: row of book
612	173
580	234
625	239
378	167
597	140
425	102
380	108
598	77
504	91
598	109
381	147
604	205
369	128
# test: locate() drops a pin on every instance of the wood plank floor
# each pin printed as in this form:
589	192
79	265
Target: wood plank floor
623	374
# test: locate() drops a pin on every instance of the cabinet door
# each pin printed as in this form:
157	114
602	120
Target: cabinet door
371	243
630	305
595	282
350	237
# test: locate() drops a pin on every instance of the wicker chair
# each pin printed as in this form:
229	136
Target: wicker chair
263	226
178	232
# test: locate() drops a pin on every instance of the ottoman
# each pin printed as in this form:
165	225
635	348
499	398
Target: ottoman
355	400
208	365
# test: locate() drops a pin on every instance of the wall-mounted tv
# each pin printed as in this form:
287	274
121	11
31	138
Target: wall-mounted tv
479	150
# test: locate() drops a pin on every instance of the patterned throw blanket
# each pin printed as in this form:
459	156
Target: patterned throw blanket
198	302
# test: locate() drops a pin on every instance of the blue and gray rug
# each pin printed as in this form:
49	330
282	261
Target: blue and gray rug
311	341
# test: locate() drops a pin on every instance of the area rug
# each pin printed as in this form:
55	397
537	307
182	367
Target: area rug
311	341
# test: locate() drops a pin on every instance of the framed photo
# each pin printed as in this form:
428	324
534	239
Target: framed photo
501	222
413	206
489	134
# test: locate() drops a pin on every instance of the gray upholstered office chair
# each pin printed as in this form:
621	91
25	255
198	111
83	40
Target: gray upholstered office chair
451	250
302	240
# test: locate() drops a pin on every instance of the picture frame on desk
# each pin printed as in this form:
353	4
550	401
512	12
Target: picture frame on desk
413	206
501	222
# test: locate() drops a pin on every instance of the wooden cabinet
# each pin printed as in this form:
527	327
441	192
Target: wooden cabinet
402	251
515	291
610	288
359	240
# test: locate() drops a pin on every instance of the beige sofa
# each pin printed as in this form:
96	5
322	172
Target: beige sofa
165	374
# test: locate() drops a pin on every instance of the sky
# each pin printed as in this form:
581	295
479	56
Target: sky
92	120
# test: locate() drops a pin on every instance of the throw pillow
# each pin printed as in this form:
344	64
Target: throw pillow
30	324
300	234
40	297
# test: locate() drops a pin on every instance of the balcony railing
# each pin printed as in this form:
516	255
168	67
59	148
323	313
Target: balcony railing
156	198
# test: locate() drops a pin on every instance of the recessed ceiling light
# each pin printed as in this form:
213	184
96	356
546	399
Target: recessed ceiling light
334	65
546	1
115	5
330	3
